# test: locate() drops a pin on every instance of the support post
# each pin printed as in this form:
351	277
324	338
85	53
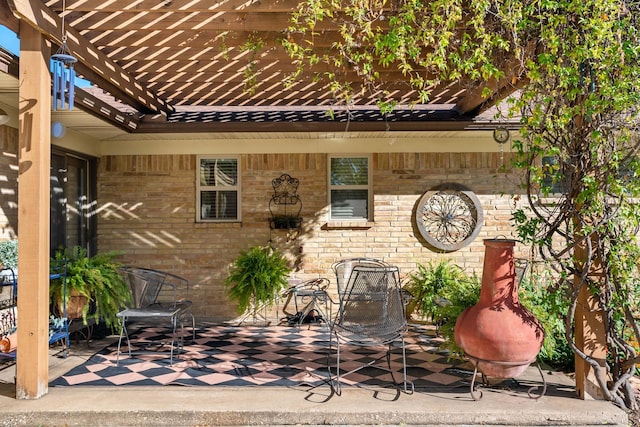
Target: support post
34	159
590	336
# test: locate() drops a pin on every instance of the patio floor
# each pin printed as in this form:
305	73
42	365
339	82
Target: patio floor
438	402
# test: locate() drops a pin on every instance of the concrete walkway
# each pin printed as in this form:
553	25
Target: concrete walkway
244	406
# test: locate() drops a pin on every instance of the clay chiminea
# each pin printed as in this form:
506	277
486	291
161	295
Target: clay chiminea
498	335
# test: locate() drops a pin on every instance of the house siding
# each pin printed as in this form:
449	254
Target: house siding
147	210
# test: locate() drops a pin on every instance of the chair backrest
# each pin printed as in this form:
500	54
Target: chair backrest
371	304
145	285
343	269
149	286
174	289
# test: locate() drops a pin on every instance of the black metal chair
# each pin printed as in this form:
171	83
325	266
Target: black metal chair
371	314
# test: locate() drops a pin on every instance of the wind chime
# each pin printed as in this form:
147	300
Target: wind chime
63	73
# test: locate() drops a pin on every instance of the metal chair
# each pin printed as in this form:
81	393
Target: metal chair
158	296
342	269
371	314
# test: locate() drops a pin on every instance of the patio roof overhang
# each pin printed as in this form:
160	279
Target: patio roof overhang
178	66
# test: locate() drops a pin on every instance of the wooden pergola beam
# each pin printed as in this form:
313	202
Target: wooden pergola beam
107	74
85	101
265	127
173	5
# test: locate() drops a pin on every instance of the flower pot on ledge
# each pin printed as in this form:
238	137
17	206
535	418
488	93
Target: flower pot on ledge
498	335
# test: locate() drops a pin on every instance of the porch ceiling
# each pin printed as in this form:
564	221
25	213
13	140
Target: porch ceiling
179	66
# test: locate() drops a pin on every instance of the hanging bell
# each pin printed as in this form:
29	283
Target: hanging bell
63	78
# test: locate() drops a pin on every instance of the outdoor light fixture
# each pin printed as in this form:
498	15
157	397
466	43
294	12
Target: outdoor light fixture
4	117
501	135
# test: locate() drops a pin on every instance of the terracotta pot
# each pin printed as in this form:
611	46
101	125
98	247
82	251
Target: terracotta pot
75	305
499	335
9	343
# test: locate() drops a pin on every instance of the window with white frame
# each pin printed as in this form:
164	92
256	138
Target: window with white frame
218	189
350	192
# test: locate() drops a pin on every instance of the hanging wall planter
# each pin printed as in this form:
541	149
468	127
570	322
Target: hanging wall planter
285	204
285	222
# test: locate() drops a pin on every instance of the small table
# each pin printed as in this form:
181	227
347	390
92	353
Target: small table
310	295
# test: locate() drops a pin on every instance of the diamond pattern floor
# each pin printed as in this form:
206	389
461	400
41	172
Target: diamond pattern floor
286	356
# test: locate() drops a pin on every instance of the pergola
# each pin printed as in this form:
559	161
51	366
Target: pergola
180	66
183	66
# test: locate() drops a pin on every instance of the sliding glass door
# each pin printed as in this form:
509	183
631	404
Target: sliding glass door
73	202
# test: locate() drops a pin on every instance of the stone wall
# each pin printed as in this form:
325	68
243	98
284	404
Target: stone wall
147	209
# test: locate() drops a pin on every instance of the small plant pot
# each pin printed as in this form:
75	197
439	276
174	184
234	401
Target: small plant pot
75	306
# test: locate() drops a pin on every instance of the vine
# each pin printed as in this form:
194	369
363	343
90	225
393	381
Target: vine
576	65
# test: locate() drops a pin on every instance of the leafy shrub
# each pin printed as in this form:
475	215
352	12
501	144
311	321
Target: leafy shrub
550	306
453	300
9	254
427	284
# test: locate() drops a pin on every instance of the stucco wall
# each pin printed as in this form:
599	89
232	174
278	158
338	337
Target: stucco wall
147	202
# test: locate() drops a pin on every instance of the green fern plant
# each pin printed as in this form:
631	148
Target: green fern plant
427	283
97	278
257	277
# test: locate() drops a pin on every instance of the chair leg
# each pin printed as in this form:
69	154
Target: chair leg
338	387
405	383
334	382
404	370
174	324
123	331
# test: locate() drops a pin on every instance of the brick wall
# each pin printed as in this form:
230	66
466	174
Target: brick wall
147	207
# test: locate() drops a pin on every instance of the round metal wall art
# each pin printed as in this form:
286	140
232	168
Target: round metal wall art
449	217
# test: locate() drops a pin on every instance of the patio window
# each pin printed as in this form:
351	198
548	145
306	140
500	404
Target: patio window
553	179
218	189
350	187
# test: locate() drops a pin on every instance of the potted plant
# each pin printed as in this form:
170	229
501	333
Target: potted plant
441	292
256	278
96	280
426	285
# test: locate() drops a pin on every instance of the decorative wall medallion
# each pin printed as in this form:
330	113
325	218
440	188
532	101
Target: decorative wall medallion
449	217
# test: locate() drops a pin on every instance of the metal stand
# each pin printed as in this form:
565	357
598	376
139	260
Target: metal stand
307	297
255	314
476	394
